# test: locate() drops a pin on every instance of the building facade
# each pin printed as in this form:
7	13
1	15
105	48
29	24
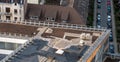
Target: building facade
12	9
81	6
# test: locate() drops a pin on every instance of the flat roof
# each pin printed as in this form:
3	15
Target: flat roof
75	43
18	29
61	32
40	51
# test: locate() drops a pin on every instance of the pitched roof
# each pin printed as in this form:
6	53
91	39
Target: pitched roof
65	13
50	11
34	12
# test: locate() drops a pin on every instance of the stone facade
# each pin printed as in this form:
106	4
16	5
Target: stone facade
12	10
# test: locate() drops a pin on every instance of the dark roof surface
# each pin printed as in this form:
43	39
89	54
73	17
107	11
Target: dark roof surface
36	12
2	56
38	53
58	12
51	11
112	60
18	29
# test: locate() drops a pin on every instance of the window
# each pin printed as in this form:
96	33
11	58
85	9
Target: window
52	19
7	9
47	18
15	4
7	17
15	18
34	17
2	45
64	21
15	11
9	46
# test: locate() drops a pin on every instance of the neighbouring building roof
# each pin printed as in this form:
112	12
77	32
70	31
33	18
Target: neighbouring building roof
59	13
35	11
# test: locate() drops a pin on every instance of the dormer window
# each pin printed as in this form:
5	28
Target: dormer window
7	1
53	19
34	17
64	21
47	18
15	4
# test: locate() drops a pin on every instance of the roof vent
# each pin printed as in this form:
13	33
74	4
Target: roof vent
88	36
49	30
59	51
81	42
82	36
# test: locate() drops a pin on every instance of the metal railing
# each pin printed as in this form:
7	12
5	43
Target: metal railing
113	55
15	35
54	24
94	46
